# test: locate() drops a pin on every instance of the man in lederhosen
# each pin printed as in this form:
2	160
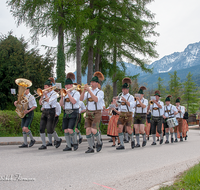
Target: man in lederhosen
126	114
157	117
169	112
71	112
179	117
27	120
48	101
94	98
140	116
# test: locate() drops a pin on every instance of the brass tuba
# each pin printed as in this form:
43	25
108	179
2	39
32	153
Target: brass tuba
22	86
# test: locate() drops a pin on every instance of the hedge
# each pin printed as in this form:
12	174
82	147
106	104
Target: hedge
10	124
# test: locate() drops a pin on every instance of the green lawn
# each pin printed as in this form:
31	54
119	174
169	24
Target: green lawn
189	180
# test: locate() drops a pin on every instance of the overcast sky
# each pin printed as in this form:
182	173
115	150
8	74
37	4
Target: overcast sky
178	25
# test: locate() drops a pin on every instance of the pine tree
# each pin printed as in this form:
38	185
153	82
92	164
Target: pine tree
191	94
161	88
175	87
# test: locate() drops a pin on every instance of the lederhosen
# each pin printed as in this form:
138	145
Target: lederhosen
171	115
156	121
70	117
47	118
180	123
125	118
140	118
93	118
28	118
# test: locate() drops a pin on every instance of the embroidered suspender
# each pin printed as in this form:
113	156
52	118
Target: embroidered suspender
94	101
156	107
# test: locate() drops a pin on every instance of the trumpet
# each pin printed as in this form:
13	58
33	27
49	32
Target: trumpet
151	102
119	98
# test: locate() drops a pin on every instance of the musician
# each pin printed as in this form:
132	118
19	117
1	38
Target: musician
140	105
27	120
179	117
157	117
125	114
48	101
58	112
94	98
112	125
71	113
169	112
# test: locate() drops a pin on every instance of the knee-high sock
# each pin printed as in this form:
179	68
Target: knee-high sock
171	135
131	136
25	138
144	136
175	135
154	137
55	135
67	138
30	135
89	140
43	138
79	135
50	138
167	136
92	138
121	138
180	134
74	138
161	135
98	137
126	136
138	138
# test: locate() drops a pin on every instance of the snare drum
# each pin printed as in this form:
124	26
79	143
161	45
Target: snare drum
105	117
172	122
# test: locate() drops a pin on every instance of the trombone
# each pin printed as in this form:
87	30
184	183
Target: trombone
39	93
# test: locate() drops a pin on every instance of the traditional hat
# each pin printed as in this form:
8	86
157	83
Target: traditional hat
69	78
50	81
157	93
178	100
168	98
125	82
97	77
141	90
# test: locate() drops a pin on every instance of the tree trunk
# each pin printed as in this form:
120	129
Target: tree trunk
61	55
97	60
91	43
90	64
78	58
114	68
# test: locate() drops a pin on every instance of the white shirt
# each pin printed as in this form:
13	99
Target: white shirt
159	110
68	105
140	109
52	100
180	115
170	107
92	105
130	99
58	109
133	112
31	99
81	106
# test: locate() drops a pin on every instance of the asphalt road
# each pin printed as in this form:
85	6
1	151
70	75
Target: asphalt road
131	169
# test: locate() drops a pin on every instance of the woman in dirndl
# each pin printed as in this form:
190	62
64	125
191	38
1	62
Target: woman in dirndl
112	130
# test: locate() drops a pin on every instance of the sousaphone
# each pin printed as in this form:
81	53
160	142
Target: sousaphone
22	86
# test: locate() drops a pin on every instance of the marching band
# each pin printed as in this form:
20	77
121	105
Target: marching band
128	114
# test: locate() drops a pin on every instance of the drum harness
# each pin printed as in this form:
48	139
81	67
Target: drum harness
171	114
